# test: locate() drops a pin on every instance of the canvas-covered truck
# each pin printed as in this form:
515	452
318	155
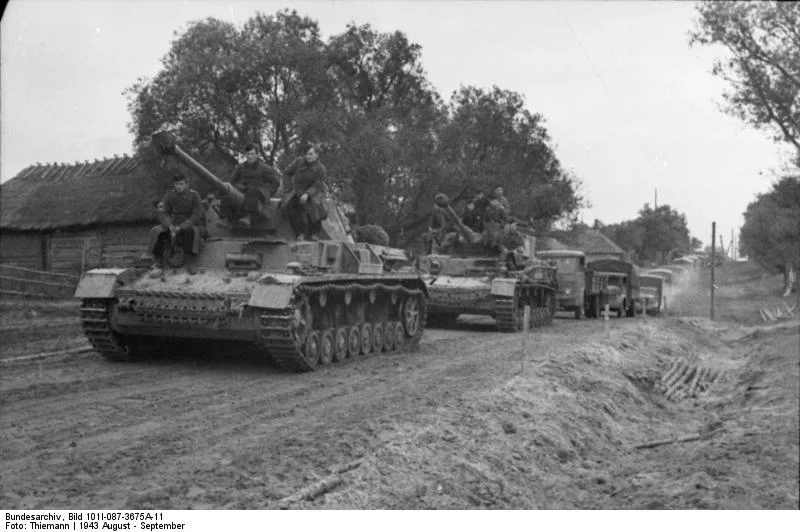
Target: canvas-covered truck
579	290
623	284
651	293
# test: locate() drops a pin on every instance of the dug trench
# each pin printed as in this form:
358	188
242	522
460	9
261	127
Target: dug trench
569	416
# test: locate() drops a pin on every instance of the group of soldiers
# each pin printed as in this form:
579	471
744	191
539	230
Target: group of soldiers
182	213
490	217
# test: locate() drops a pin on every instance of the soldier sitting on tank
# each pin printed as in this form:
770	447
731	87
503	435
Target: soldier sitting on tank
303	197
498	196
472	218
494	220
258	181
438	229
511	240
182	213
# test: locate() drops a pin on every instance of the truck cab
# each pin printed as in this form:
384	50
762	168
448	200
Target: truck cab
571	275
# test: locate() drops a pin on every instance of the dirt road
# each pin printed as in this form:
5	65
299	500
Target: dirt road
475	419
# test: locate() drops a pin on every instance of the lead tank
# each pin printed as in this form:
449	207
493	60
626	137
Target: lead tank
302	303
475	277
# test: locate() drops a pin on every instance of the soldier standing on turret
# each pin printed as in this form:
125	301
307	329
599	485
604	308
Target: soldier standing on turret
180	217
303	200
257	180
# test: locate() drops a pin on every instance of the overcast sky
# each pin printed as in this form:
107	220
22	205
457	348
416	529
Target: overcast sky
631	108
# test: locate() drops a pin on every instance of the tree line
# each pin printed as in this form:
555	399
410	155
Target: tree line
389	140
761	64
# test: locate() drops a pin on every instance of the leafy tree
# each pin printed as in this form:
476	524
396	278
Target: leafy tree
771	231
389	142
656	235
221	87
763	67
491	139
384	134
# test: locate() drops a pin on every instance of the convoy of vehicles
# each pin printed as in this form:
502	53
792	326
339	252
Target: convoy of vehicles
309	303
580	290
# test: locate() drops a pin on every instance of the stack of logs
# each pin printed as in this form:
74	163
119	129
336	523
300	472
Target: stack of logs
686	380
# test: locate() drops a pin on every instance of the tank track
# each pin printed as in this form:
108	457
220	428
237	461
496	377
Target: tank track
95	320
509	310
310	333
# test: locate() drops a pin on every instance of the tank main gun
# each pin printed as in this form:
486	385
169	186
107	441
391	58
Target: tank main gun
443	202
165	143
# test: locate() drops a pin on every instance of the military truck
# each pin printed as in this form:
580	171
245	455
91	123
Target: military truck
302	303
470	275
580	290
651	293
623	284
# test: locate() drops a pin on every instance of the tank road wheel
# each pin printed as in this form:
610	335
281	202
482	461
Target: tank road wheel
340	344
300	324
377	338
388	336
353	341
399	336
366	339
326	348
311	350
412	314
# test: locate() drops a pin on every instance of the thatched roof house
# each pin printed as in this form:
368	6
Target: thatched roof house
598	246
61	217
592	242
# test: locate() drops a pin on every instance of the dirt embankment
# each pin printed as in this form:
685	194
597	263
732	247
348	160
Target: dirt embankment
475	419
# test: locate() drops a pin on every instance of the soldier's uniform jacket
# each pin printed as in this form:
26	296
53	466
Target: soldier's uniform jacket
307	179
184	209
257	175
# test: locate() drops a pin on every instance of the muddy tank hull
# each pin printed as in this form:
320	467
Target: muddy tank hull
299	323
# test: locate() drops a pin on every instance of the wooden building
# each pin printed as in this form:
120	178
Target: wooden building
69	218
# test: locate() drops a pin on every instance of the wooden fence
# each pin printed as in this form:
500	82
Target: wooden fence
24	282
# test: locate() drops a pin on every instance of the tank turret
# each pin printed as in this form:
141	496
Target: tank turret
443	202
165	143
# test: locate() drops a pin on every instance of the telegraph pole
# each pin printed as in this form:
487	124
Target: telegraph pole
713	261
656	200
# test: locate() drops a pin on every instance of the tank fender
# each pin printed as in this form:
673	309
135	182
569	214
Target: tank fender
273	291
504	286
102	282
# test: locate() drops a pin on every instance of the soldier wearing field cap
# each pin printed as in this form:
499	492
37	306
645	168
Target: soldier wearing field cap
304	206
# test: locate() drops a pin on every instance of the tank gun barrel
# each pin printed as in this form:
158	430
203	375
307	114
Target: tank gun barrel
443	202
165	143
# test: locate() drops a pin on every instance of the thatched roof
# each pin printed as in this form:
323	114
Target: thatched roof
111	191
593	242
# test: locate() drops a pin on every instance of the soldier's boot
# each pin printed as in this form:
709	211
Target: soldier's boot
191	269
157	271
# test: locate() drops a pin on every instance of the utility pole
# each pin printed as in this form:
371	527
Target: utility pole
713	262
731	246
656	201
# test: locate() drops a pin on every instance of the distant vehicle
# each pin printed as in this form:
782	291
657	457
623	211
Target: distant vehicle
651	290
623	284
678	270
663	273
579	289
471	277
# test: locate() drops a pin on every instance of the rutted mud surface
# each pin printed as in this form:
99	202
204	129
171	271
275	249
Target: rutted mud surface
475	419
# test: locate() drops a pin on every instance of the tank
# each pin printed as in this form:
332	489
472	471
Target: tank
303	303
470	276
